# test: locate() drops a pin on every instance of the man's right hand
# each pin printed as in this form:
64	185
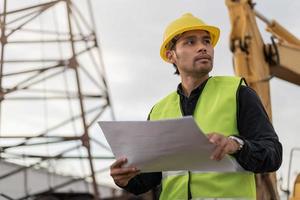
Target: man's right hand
122	175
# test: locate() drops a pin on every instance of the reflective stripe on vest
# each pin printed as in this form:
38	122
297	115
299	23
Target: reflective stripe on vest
215	111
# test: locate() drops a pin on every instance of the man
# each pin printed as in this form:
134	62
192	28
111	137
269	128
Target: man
229	112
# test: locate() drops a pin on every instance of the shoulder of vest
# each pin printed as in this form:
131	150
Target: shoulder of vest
228	78
172	95
234	80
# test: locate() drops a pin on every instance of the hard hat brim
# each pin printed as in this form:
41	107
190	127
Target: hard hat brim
213	31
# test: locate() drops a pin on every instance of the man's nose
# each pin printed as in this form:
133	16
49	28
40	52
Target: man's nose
201	47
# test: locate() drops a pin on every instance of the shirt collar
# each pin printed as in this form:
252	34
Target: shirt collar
195	92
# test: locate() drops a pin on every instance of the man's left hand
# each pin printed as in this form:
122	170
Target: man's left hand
223	145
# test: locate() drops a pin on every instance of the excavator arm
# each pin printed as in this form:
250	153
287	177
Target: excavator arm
258	62
283	54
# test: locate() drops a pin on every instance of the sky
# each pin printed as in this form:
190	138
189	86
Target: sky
130	34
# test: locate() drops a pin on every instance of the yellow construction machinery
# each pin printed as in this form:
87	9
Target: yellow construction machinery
296	193
258	62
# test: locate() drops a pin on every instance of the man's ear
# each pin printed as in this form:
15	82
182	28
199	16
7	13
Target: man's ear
170	55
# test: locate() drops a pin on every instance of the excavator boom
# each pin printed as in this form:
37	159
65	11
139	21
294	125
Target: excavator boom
258	62
283	55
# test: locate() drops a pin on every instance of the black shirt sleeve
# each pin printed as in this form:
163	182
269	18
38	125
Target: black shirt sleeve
143	182
262	151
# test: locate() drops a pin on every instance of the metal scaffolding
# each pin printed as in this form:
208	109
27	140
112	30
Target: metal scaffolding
52	85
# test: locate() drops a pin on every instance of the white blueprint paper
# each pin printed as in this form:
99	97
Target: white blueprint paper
165	145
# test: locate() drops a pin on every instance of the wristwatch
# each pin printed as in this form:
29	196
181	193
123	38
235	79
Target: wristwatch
238	140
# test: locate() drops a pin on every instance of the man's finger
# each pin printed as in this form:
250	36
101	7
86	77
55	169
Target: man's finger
123	171
219	150
130	176
118	163
122	180
215	138
224	152
216	153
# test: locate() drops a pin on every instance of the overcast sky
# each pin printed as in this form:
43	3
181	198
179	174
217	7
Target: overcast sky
130	33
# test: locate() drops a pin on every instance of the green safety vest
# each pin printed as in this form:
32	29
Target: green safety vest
216	111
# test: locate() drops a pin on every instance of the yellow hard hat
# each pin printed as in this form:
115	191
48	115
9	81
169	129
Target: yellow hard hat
186	22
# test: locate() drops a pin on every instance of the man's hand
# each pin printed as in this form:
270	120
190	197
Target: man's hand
224	145
122	175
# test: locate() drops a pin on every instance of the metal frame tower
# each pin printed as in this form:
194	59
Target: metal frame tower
51	71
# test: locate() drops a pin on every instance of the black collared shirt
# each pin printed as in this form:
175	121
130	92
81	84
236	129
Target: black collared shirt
188	104
262	151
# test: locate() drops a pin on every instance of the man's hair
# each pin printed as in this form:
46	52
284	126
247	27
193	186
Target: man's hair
176	69
172	46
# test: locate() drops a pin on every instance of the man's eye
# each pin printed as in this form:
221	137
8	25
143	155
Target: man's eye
207	41
190	42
